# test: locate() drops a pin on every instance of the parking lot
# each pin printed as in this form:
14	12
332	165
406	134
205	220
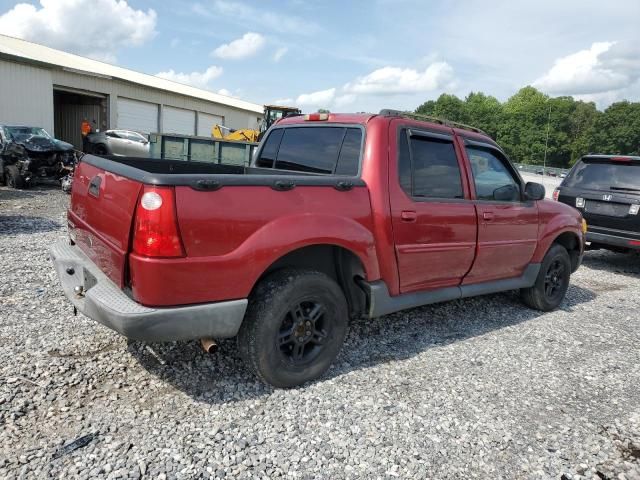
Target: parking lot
476	388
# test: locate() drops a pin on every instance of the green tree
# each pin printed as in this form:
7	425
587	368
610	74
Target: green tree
446	107
582	129
484	112
427	108
617	130
522	133
520	125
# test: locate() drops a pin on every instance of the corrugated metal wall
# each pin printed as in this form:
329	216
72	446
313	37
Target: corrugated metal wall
26	96
233	117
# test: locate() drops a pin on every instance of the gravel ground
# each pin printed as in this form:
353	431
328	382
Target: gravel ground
480	388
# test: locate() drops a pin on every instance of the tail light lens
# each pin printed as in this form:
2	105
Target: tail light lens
156	231
556	194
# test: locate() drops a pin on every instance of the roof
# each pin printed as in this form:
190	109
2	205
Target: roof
356	118
436	124
22	49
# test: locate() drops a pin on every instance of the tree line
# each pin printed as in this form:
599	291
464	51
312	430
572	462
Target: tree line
520	124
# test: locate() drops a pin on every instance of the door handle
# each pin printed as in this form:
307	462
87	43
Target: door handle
488	216
408	216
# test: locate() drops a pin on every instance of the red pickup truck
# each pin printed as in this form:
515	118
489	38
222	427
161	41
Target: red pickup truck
339	216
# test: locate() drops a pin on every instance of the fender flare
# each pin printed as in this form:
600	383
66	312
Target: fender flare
283	236
559	225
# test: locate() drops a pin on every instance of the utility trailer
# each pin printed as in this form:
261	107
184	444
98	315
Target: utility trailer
173	146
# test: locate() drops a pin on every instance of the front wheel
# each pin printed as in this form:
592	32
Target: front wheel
552	281
13	177
294	327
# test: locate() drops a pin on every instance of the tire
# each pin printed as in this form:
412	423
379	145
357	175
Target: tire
552	281
294	328
100	150
13	177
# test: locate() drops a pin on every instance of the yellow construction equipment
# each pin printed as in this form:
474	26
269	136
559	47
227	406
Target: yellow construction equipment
226	133
272	113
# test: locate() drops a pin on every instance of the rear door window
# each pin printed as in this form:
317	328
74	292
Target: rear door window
428	167
325	150
605	175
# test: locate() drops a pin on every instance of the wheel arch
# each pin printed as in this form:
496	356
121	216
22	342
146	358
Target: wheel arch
337	262
573	244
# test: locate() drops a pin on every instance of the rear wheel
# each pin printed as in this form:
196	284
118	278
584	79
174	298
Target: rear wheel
13	177
552	281
100	150
294	327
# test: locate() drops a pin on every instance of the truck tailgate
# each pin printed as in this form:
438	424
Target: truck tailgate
100	217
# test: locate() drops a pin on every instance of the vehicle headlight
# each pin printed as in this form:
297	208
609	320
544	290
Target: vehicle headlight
584	226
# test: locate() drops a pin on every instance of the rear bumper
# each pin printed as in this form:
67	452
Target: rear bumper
105	303
613	240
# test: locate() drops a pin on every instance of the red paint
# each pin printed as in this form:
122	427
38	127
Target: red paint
232	235
103	222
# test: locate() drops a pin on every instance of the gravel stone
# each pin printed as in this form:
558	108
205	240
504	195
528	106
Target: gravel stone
476	388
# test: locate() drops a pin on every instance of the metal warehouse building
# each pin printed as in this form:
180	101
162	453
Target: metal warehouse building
48	88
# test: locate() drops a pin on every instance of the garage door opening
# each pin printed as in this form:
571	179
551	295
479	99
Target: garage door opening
70	108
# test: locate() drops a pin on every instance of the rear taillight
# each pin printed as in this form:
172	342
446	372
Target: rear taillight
556	194
155	232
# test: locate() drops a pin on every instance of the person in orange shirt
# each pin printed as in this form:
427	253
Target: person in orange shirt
85	129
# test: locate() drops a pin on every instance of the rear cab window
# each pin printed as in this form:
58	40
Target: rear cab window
605	174
329	150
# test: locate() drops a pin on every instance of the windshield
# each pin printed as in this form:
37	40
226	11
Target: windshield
18	133
605	175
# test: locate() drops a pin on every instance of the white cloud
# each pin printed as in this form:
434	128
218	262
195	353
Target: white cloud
244	14
383	82
195	79
344	100
394	80
94	28
321	98
246	46
283	101
596	70
281	52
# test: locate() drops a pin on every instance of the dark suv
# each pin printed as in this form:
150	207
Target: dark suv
606	190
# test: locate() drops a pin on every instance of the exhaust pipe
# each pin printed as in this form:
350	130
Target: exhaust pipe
209	345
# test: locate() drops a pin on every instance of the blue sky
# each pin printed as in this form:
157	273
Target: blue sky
353	55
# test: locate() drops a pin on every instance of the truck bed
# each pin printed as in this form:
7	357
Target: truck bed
232	221
209	176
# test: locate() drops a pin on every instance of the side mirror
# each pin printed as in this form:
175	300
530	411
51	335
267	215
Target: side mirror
534	191
508	193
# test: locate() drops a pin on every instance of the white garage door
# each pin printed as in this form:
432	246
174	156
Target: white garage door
178	120
206	121
137	116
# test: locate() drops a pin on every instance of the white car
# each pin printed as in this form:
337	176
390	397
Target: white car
118	142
